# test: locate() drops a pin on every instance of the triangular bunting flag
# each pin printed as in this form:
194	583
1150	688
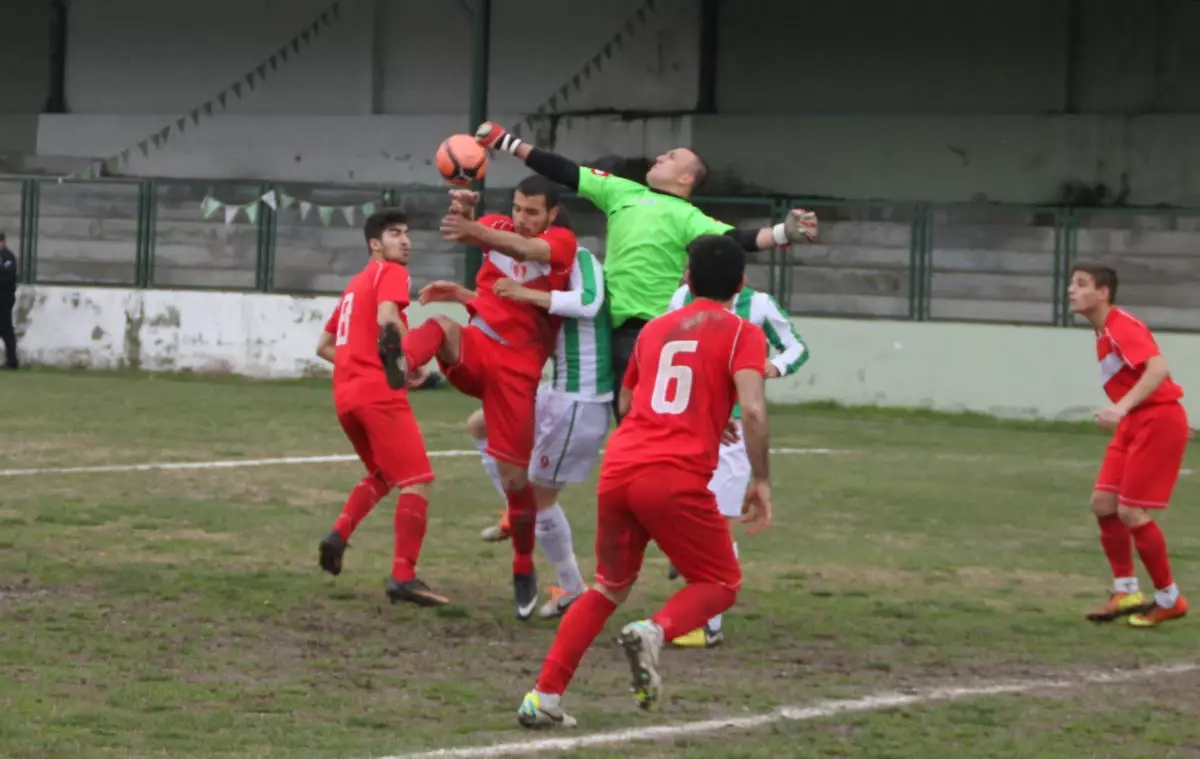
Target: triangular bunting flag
180	122
564	92
237	89
144	146
305	207
288	200
223	98
575	82
325	18
304	35
274	61
262	71
369	208
283	53
231	213
553	103
250	80
125	155
316	28
349	213
195	114
210	206
326	214
269	199
608	46
252	212
208	108
164	132
641	15
157	140
296	45
336	10
112	164
629	28
86	173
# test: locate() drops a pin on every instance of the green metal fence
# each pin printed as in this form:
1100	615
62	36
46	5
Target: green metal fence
914	261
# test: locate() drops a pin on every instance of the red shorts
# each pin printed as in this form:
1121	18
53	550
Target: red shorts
506	380
1142	462
387	439
677	511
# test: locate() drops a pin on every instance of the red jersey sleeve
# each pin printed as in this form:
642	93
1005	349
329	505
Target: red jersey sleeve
631	371
749	349
393	286
331	325
1133	339
563	245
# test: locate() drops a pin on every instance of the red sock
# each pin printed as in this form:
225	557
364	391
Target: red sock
362	499
1152	547
581	624
691	607
409	526
421	344
1117	544
522	523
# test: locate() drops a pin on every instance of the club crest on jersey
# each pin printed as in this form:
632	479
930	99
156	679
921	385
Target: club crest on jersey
600	172
545	462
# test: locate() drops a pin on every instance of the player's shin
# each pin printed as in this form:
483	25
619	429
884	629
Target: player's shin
691	607
578	629
363	498
422	343
1118	548
1152	548
522	523
409	526
553	533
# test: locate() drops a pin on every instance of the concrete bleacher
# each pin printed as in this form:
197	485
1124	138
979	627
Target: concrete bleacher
988	263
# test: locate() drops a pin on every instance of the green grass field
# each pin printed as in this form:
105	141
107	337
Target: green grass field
182	614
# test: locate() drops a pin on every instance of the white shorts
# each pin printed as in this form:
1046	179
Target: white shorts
570	434
731	477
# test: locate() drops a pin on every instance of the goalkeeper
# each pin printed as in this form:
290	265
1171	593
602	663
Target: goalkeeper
649	228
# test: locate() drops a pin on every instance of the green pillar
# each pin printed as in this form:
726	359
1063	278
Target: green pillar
481	32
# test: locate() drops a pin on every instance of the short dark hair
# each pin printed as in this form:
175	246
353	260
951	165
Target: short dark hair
716	267
379	221
1103	276
2	237
536	185
701	170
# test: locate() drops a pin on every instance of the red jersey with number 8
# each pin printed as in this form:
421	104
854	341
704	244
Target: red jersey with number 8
681	374
358	378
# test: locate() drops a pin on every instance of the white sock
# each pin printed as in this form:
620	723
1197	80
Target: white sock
554	534
1125	585
714	624
489	464
1167	597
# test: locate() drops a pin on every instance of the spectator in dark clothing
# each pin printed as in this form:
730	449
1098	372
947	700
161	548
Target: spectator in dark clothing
8	299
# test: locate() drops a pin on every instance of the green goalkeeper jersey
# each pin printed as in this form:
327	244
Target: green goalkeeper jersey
646	249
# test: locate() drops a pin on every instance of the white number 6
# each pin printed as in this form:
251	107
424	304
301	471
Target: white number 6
668	372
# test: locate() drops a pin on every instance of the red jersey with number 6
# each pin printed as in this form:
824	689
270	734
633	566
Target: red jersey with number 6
681	374
358	378
522	324
1124	347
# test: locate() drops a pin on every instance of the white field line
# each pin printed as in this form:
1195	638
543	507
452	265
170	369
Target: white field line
239	463
818	710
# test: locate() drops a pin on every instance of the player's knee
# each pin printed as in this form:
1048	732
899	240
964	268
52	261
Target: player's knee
512	477
1133	517
617	596
422	489
1104	503
476	427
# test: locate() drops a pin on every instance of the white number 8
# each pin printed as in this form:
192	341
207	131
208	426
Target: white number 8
668	371
343	325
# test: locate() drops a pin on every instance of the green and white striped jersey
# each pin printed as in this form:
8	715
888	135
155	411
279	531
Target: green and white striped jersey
583	355
763	311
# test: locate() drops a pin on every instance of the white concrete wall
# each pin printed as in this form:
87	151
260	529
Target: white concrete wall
1027	372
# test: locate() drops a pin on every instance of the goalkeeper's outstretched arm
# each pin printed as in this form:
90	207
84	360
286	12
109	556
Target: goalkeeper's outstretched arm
549	164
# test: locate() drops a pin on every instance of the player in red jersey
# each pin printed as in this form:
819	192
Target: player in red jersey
1142	463
688	368
498	357
377	419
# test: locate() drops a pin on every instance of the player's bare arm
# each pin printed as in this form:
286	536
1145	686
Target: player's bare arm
458	228
1156	373
513	290
388	315
625	400
325	346
443	291
757	431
